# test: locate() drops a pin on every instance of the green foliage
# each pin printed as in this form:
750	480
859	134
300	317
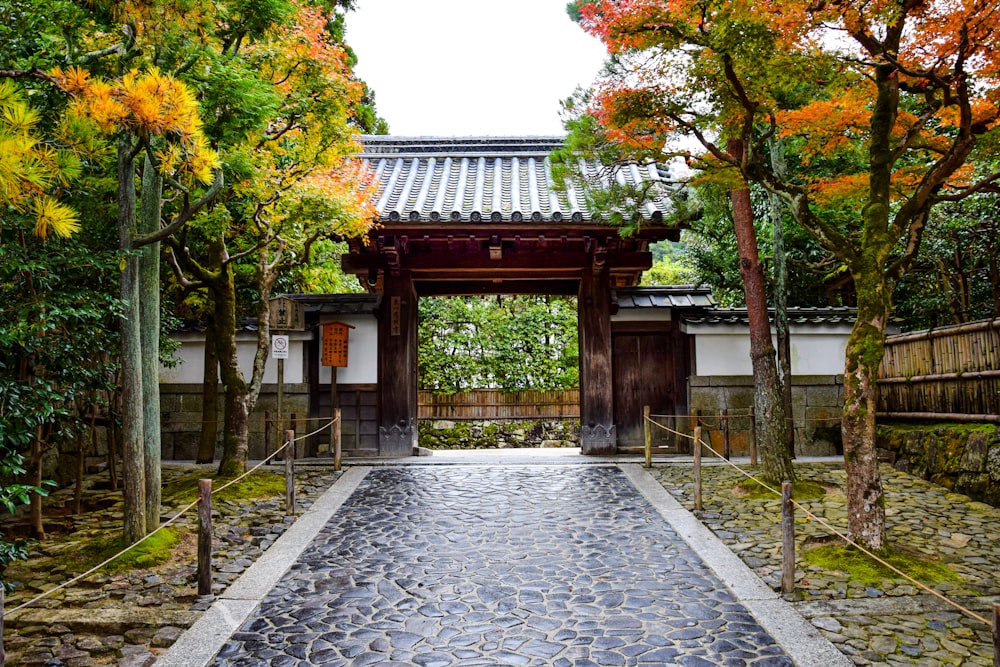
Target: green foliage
861	568
956	277
509	343
55	318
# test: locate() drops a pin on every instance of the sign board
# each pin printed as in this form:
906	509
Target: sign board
279	347
287	314
335	335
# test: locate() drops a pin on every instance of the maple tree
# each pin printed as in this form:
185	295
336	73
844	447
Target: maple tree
294	184
885	106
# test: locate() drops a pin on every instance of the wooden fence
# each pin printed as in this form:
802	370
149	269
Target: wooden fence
495	404
947	373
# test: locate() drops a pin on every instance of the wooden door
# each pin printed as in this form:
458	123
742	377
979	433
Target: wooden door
644	374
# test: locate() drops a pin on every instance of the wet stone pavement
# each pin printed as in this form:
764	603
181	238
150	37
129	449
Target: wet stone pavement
533	565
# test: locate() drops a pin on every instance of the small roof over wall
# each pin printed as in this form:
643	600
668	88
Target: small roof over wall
490	180
726	319
668	296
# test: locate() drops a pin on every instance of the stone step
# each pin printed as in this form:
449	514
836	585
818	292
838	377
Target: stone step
97	621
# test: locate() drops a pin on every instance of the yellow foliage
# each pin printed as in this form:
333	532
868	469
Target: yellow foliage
29	167
147	103
50	215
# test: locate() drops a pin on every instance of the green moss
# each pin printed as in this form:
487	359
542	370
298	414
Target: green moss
862	569
802	489
259	484
154	550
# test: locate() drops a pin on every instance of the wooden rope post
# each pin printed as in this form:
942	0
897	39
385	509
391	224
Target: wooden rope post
267	434
725	434
753	438
647	437
996	634
204	537
337	445
694	419
697	468
787	539
290	473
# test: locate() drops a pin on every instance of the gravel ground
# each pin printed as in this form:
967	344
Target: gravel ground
892	622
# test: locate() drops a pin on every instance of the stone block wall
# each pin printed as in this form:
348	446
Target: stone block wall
498	434
180	405
962	457
817	403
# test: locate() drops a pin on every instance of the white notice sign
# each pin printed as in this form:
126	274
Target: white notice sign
279	347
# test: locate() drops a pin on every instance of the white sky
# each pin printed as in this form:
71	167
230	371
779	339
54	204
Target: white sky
471	67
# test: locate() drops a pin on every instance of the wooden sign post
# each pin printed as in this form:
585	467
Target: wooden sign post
335	338
285	314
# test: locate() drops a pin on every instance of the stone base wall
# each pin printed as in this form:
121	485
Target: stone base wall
817	403
962	457
181	419
498	434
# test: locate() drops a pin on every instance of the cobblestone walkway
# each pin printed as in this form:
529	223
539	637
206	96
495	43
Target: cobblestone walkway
535	565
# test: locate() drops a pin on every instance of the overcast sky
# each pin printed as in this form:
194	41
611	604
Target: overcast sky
471	67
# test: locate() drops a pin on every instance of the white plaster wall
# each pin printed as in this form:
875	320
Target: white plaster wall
192	352
728	353
362	351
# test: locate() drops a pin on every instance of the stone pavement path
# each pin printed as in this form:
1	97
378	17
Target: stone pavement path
518	565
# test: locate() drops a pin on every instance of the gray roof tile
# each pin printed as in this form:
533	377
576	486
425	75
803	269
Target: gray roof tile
670	296
486	179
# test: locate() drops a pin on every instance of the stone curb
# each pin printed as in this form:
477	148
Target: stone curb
199	644
800	639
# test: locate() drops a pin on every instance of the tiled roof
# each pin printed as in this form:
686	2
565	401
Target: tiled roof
487	179
673	296
338	304
800	316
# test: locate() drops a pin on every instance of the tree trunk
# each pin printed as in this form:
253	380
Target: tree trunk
133	470
149	300
209	396
235	437
781	298
865	349
37	529
866	345
776	465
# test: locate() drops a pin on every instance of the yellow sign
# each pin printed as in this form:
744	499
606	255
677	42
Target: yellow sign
335	335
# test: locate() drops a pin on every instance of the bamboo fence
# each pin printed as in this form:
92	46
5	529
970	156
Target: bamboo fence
496	404
949	372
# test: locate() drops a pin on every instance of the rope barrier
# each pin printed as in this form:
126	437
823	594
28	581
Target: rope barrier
220	422
822	522
743	415
166	523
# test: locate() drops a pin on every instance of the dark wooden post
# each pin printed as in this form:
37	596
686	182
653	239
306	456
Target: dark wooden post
725	434
335	436
204	537
647	439
290	474
397	363
787	539
752	438
697	468
597	429
267	434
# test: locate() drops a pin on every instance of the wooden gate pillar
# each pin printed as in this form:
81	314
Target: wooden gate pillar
397	367
597	425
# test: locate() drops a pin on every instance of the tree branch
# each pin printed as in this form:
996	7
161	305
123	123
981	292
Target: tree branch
188	212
